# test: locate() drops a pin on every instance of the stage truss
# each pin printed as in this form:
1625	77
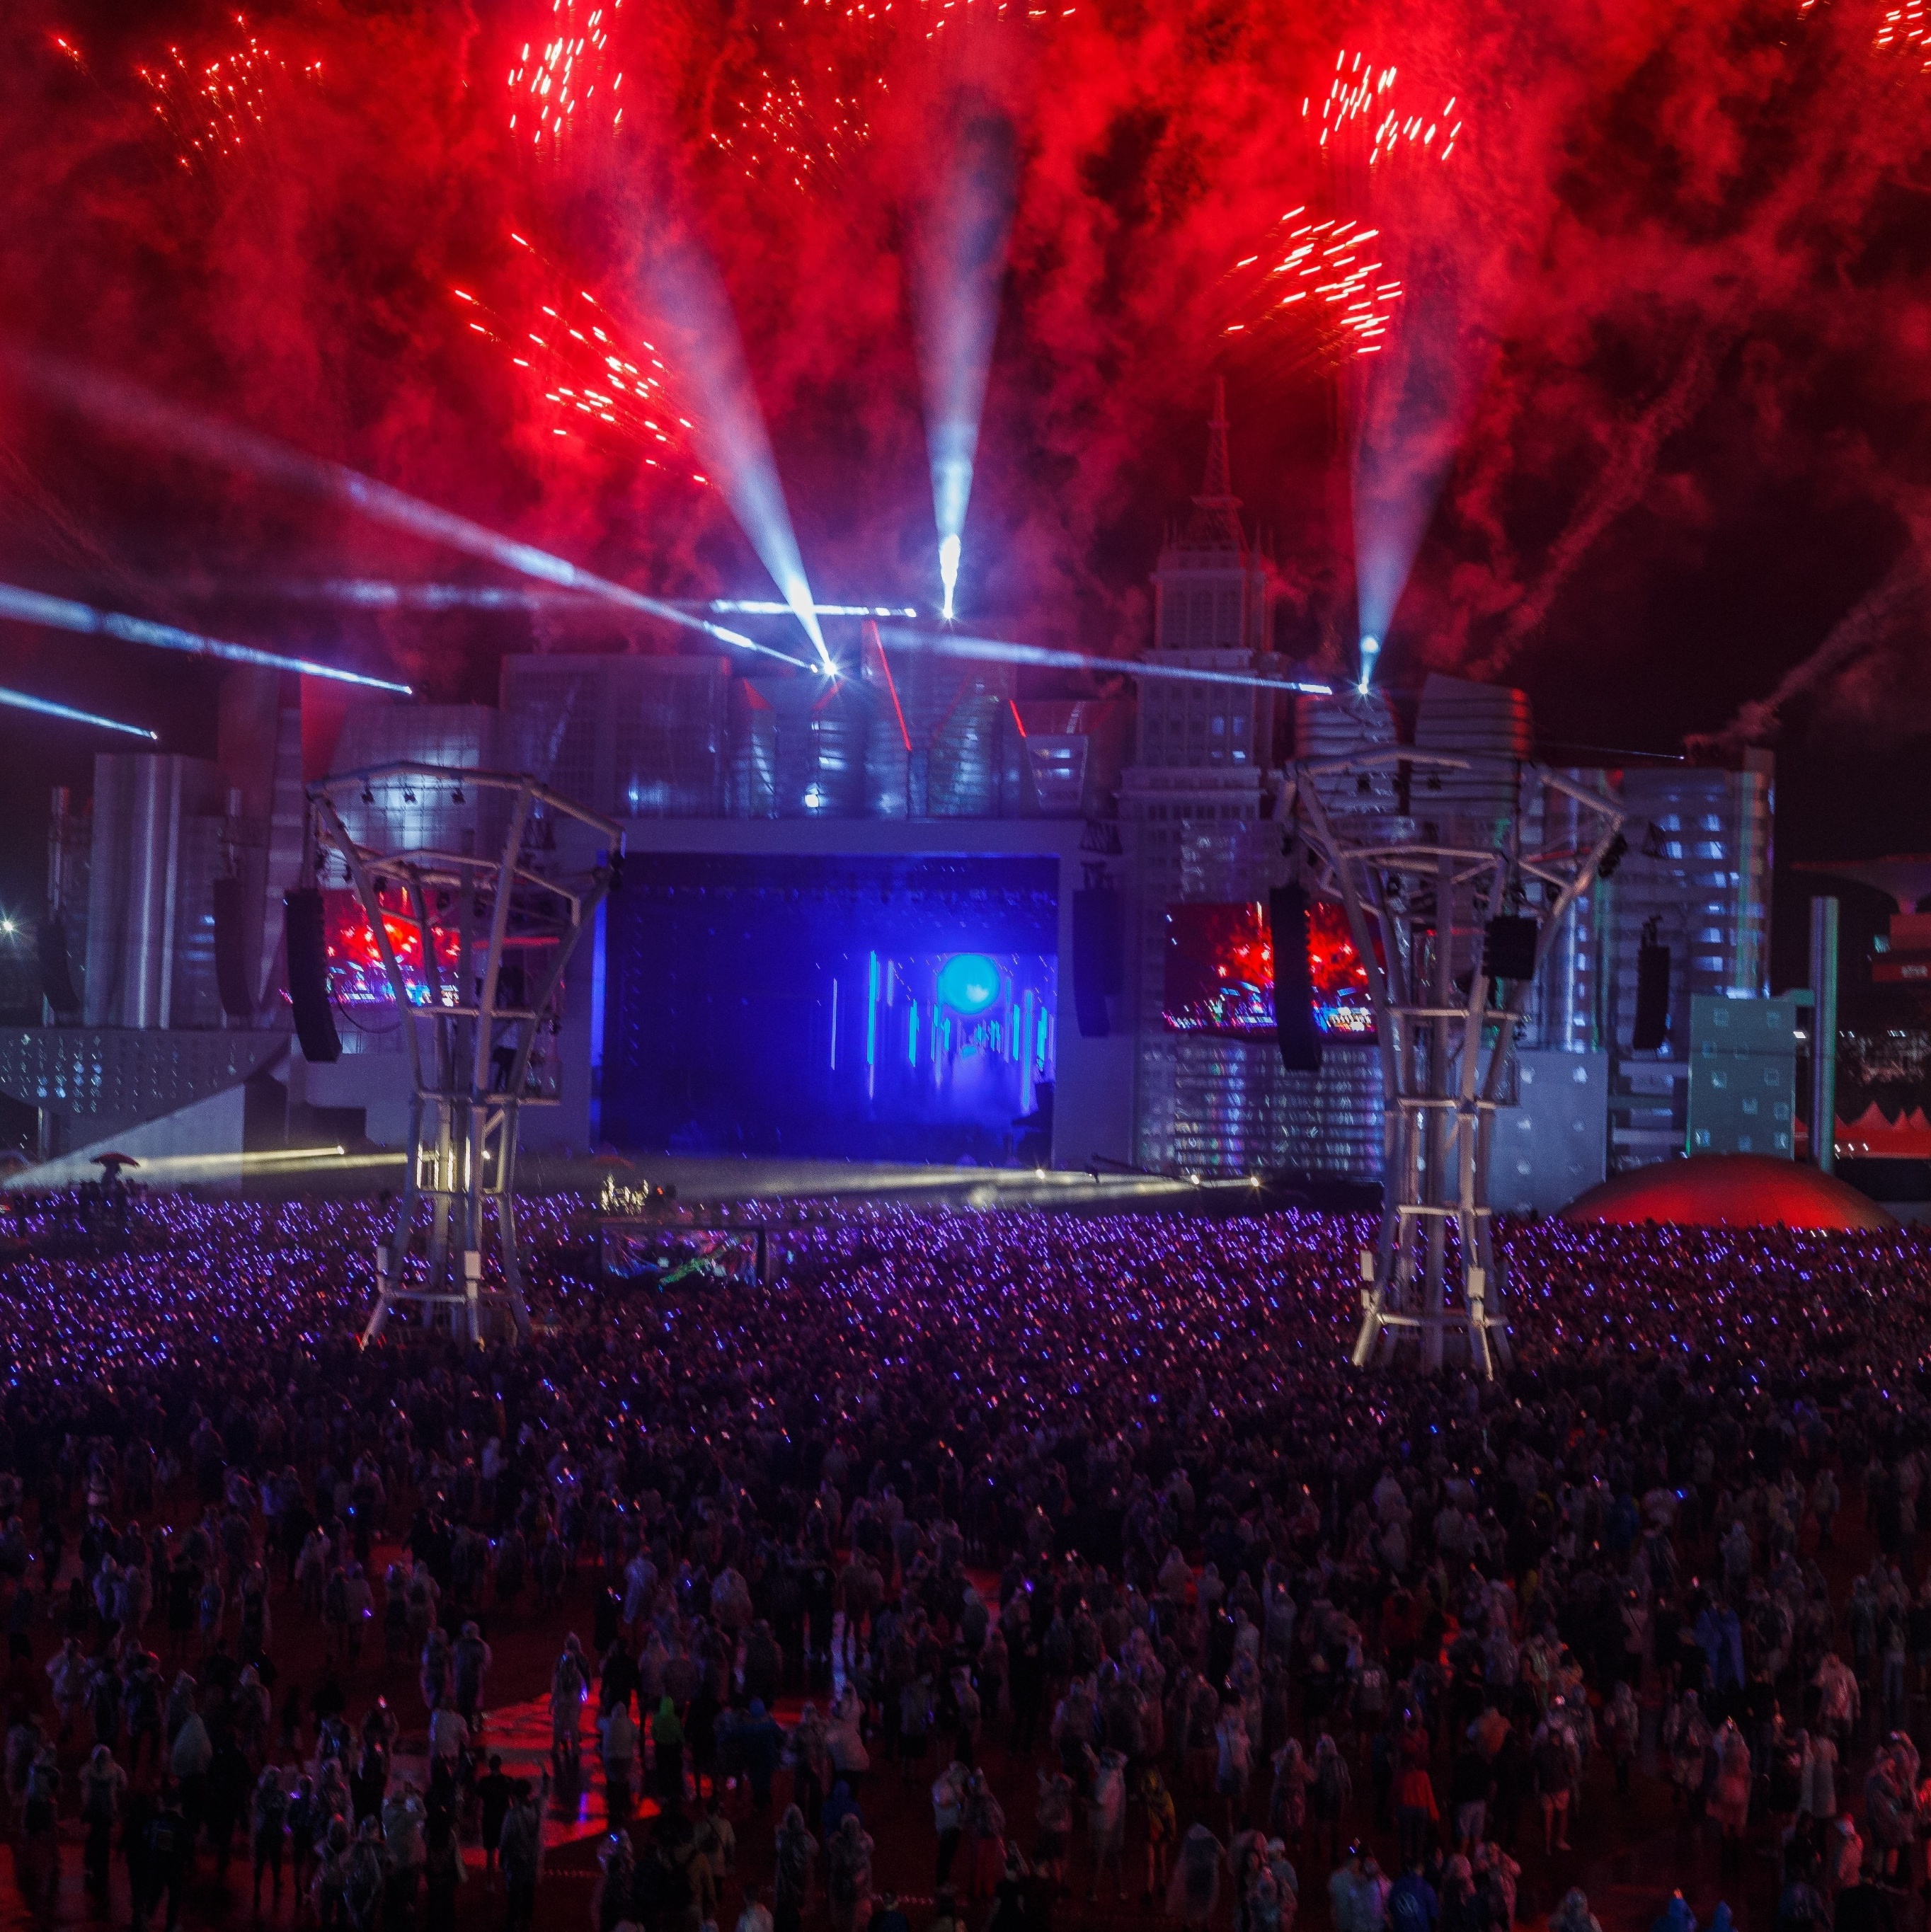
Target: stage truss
1366	833
489	935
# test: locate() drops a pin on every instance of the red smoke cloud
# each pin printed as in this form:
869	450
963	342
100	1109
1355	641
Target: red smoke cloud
1669	291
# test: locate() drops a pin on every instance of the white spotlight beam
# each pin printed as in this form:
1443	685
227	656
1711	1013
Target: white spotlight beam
688	291
1370	651
45	707
59	613
958	264
127	408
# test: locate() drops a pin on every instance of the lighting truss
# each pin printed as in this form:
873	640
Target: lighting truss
476	1030
1393	836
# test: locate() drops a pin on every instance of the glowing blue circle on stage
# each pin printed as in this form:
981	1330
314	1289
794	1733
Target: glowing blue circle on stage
969	982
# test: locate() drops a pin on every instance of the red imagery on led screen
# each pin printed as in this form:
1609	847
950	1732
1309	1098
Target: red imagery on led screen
356	974
1219	971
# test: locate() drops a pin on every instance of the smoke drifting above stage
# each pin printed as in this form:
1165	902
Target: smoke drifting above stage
1586	342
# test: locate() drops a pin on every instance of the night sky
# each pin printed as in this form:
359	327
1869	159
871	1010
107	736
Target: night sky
1644	427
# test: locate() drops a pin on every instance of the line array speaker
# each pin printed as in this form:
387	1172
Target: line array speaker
57	984
1098	964
231	970
1294	1025
308	976
1652	1022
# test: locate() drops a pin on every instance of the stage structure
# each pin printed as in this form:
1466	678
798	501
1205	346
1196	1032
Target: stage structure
474	944
1456	872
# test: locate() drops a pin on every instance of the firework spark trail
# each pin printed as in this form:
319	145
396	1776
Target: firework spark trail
215	110
789	137
126	409
590	377
1620	485
555	84
810	104
1361	97
1904	28
1325	287
59	614
1329	278
1908	27
804	112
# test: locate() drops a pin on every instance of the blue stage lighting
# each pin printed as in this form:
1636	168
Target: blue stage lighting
969	982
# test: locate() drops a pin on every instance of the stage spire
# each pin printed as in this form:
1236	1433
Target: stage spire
1215	522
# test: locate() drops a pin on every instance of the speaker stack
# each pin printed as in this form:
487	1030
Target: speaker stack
1099	964
1294	1024
231	970
308	976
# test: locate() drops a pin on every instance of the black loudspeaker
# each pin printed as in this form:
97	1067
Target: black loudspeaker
57	985
1099	965
308	976
1652	997
1294	1025
1508	947
231	970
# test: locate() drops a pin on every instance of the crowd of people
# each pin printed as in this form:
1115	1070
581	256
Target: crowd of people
980	1565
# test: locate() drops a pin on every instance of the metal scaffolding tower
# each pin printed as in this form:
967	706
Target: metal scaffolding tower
474	945
1427	851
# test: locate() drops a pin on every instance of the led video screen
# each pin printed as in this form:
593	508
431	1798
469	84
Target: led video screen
1218	976
900	1010
356	974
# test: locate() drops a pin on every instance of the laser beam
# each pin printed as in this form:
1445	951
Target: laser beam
1001	650
59	613
769	610
380	594
128	409
21	700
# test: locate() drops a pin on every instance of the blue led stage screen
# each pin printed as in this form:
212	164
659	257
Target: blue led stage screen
854	1009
